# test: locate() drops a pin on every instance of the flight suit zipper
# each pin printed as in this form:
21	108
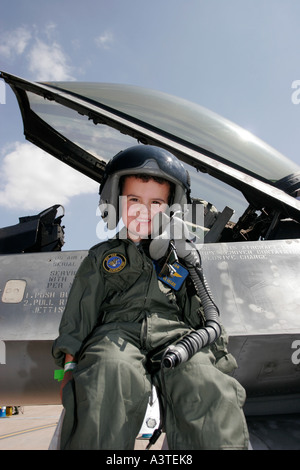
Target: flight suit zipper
144	329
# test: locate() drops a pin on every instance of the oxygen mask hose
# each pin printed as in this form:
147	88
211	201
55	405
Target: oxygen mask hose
190	345
193	342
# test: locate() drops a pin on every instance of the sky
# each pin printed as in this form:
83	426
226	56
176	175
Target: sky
238	58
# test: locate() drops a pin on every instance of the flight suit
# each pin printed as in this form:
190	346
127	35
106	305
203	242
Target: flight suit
117	315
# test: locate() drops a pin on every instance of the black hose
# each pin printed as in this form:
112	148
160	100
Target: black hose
187	251
193	342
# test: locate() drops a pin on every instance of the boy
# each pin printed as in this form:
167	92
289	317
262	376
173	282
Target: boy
119	313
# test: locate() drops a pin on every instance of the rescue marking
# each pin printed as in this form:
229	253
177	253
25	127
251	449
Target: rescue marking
114	263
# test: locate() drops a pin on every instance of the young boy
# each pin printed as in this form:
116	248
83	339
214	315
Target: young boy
119	313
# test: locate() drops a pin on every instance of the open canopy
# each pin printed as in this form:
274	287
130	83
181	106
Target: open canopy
85	124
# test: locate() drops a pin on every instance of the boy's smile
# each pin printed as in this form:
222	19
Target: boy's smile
140	202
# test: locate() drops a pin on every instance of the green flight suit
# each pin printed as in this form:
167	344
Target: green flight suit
117	313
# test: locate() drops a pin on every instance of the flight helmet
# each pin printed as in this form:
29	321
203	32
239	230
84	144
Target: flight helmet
136	160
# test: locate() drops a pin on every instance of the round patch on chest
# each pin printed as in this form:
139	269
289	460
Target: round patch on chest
114	263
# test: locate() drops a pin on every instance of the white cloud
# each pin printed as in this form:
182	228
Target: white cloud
46	59
33	180
105	40
50	30
48	62
14	43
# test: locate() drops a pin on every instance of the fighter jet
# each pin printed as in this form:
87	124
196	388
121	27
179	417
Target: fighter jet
250	251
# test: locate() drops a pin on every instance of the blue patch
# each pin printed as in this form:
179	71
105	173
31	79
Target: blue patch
114	263
175	280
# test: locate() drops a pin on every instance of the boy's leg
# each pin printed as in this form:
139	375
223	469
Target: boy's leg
111	394
204	406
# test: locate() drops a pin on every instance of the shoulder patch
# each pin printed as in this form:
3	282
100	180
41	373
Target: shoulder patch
114	263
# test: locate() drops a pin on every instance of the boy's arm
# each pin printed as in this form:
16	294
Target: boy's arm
67	375
81	312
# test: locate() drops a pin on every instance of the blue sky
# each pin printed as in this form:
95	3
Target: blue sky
239	58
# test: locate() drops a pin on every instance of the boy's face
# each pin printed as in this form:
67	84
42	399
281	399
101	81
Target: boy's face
141	201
